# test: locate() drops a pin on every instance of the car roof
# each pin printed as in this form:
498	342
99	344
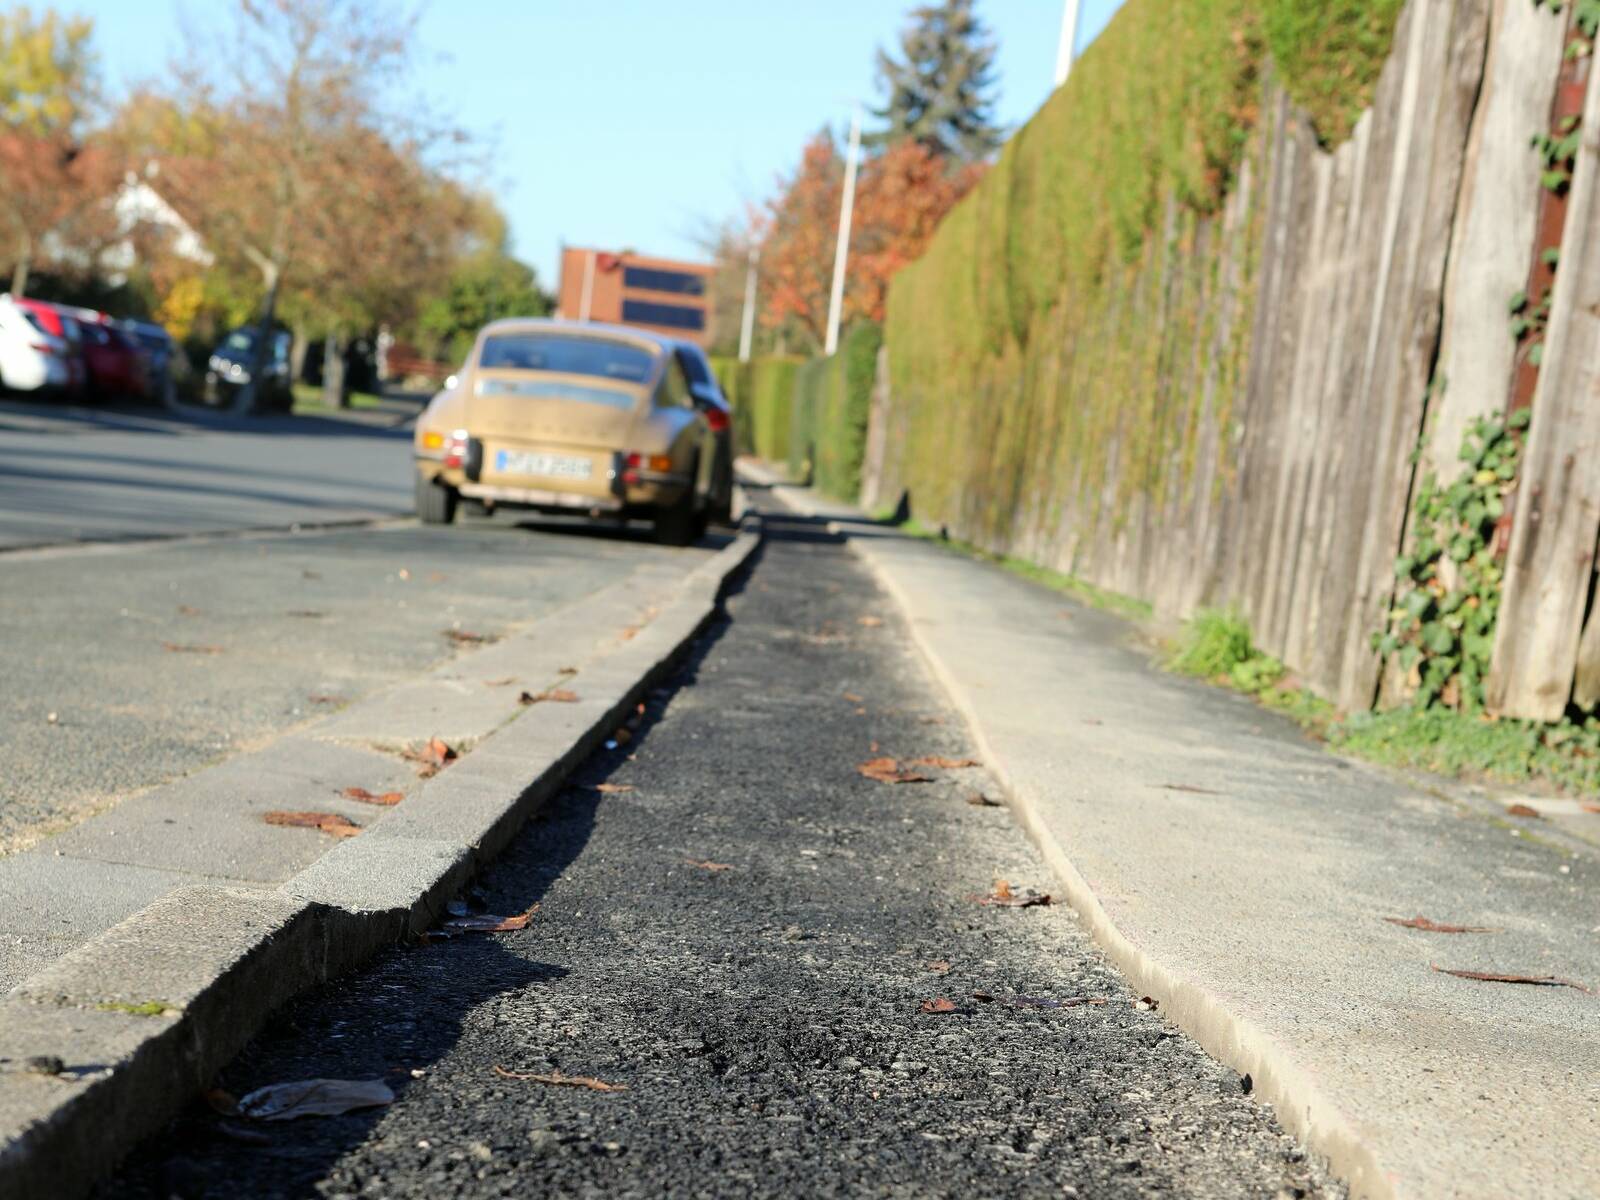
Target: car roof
581	328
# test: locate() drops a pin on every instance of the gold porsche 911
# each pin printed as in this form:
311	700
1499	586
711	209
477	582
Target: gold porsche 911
581	419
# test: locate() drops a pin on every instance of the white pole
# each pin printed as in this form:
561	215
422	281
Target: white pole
587	298
747	327
842	250
1069	41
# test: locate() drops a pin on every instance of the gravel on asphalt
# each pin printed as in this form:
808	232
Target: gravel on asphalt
745	933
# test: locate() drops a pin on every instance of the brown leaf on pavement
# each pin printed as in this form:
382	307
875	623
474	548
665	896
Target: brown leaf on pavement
938	966
948	764
1521	810
853	698
489	923
930	720
437	577
330	823
557	1079
610	788
188	610
462	637
314	1098
622	736
182	648
309	614
310	574
708	865
1497	977
324	698
869	622
889	770
941	1005
554	695
1590	808
1189	787
506	682
1427	926
433	757
1004	896
566	670
387	799
979	800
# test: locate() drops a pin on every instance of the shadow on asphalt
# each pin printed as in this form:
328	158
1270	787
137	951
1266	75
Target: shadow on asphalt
421	993
15	416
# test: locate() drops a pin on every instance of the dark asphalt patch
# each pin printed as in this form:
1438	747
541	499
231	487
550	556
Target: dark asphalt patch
767	1018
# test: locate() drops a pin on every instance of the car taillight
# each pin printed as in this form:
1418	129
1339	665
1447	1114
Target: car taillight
633	463
717	419
43	347
455	449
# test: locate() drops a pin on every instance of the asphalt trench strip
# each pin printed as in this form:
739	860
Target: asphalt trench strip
765	1018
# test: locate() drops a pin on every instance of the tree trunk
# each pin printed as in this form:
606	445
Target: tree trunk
19	273
334	394
300	342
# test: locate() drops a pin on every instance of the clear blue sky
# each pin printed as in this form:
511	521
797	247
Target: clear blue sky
631	122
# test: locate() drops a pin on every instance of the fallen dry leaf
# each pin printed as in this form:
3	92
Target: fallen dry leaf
310	574
708	865
387	799
554	695
979	800
938	966
611	788
221	1102
462	637
947	764
1040	1001
437	577
941	1005
188	610
628	634
181	648
329	823
403	573
557	1079
431	758
869	622
1004	896
889	770
1497	977
309	614
566	670
1521	810
622	736
314	1098
1427	926
1147	1004
853	698
320	698
1590	808
489	923
930	720
506	682
1189	787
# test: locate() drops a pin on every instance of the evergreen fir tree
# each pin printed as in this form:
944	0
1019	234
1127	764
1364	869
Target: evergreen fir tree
940	91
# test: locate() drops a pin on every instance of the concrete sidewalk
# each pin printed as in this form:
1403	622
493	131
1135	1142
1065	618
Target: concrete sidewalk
1241	875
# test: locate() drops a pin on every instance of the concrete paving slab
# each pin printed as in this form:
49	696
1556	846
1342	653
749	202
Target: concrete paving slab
405	879
1242	876
210	825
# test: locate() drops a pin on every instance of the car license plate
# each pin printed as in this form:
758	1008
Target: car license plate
551	466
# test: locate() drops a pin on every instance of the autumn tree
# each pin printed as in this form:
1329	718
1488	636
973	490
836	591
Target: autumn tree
797	254
50	173
484	283
940	90
263	167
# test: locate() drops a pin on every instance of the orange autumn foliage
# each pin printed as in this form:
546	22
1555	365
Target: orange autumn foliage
901	196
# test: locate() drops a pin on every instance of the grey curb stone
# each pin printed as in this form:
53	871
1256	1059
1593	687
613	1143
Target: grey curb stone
220	960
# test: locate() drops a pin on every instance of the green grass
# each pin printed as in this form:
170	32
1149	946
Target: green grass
1216	646
1329	54
148	1008
308	399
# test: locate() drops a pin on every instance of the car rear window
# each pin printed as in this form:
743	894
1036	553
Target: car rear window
626	361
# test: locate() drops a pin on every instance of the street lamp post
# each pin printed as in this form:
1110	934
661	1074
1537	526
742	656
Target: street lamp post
748	325
1069	41
842	251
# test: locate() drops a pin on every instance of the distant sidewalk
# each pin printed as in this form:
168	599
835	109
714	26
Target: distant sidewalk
1241	875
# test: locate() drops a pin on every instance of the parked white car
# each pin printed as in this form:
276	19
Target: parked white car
30	358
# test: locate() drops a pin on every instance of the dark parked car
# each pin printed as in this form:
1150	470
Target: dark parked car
708	398
228	370
164	362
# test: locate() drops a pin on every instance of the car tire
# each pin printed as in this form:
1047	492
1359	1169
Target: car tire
436	503
681	524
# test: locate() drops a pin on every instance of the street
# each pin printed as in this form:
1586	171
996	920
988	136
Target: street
743	932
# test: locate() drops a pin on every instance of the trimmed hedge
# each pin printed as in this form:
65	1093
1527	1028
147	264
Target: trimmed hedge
833	399
761	392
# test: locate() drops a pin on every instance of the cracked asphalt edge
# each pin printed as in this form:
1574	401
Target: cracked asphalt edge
100	1049
1292	1092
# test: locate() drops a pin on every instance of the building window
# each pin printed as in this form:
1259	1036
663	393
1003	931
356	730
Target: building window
669	316
651	280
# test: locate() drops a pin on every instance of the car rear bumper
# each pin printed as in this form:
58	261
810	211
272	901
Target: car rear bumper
540	498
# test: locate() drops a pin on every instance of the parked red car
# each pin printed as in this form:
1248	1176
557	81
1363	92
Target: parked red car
115	362
52	320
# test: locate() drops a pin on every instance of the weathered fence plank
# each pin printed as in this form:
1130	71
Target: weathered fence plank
1557	514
